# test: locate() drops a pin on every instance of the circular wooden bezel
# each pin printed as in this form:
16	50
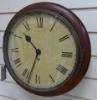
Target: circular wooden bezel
82	35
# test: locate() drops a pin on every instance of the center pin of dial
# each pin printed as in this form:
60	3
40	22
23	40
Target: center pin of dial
38	51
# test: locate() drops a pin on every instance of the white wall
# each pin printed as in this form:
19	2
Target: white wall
86	10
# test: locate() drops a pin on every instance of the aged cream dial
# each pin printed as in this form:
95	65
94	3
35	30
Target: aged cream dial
42	50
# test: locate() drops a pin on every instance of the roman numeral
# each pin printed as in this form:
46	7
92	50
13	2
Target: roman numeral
14	50
26	73
53	26
63	38
39	21
17	62
26	25
62	69
37	79
67	54
51	78
17	36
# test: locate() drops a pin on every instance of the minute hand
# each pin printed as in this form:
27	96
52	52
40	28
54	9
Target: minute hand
33	66
38	52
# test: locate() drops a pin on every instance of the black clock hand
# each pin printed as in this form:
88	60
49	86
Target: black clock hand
29	78
38	52
28	39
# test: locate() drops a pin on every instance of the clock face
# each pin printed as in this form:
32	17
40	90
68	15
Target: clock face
46	49
43	50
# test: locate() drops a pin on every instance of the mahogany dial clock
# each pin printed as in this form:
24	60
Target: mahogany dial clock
46	49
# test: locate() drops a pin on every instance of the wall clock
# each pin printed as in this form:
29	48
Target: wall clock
46	49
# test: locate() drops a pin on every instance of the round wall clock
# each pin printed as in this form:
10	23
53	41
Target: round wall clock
46	49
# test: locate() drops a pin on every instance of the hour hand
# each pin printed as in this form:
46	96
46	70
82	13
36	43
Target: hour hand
28	39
